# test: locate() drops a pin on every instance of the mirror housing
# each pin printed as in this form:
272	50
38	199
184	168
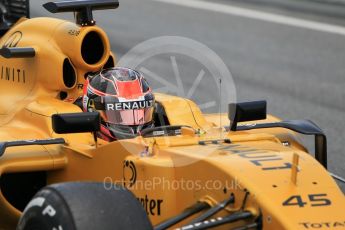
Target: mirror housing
76	122
246	111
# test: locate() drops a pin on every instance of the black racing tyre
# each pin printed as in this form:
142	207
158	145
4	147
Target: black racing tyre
83	206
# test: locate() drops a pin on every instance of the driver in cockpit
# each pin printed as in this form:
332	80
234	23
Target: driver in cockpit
124	100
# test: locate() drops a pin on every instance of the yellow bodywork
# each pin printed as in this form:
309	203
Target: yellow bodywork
172	173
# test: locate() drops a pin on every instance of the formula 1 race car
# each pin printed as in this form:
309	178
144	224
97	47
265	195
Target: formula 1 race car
187	172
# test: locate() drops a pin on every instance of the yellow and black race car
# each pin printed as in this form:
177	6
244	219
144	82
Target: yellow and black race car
187	172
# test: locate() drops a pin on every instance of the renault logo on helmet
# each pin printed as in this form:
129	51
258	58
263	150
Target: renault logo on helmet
129	105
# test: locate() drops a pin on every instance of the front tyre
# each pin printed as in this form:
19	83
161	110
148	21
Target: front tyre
81	205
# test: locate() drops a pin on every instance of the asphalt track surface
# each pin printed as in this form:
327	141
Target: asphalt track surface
299	71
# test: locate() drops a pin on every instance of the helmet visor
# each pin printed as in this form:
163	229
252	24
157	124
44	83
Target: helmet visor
128	117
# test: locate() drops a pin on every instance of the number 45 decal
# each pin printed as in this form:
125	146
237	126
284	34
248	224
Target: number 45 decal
313	200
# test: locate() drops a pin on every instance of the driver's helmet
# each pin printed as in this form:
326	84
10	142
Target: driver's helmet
124	100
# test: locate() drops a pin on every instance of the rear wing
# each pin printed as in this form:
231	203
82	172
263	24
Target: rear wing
11	11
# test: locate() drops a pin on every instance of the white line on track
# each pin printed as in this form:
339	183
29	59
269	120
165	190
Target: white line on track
258	15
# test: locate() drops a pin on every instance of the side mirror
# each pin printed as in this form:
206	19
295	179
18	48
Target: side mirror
246	111
76	122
